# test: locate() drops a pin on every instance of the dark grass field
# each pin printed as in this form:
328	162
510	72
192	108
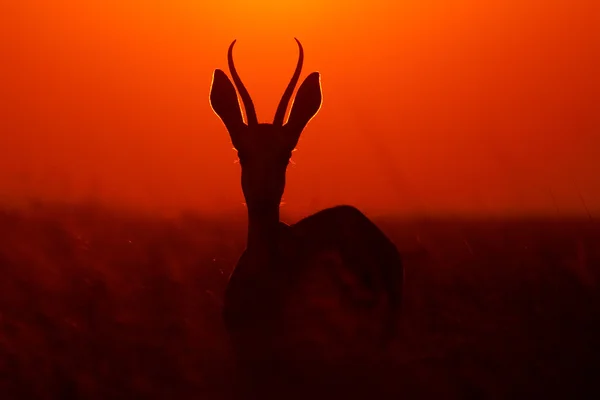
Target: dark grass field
98	304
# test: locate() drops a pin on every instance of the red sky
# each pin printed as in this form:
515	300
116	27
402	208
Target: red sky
452	107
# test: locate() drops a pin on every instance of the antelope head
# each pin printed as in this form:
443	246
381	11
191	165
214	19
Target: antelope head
264	150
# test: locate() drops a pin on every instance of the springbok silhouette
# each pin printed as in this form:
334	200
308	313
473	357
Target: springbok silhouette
327	287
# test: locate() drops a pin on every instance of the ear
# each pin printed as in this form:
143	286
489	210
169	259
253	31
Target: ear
224	101
306	104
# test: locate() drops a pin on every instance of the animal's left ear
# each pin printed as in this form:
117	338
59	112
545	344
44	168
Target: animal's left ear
306	104
224	102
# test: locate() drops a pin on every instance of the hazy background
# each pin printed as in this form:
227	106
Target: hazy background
452	107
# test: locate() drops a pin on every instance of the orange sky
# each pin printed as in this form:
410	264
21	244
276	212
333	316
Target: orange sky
458	106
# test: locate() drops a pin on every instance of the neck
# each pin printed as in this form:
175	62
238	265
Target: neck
263	226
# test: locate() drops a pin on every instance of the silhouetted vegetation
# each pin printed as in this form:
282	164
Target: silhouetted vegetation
98	304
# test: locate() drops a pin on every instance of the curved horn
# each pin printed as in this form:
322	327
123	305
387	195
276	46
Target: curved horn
246	99
287	95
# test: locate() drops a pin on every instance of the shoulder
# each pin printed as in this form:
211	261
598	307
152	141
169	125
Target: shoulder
332	225
343	210
340	224
340	216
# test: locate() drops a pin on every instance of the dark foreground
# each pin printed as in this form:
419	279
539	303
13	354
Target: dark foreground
101	305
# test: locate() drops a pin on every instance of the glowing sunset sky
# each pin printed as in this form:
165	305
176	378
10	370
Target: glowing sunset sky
459	106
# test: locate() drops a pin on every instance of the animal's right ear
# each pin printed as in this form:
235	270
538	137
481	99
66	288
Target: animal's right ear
224	101
306	104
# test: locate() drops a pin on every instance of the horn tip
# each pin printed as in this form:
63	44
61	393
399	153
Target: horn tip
299	45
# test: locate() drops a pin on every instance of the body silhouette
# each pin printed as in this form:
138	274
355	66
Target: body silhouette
324	291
